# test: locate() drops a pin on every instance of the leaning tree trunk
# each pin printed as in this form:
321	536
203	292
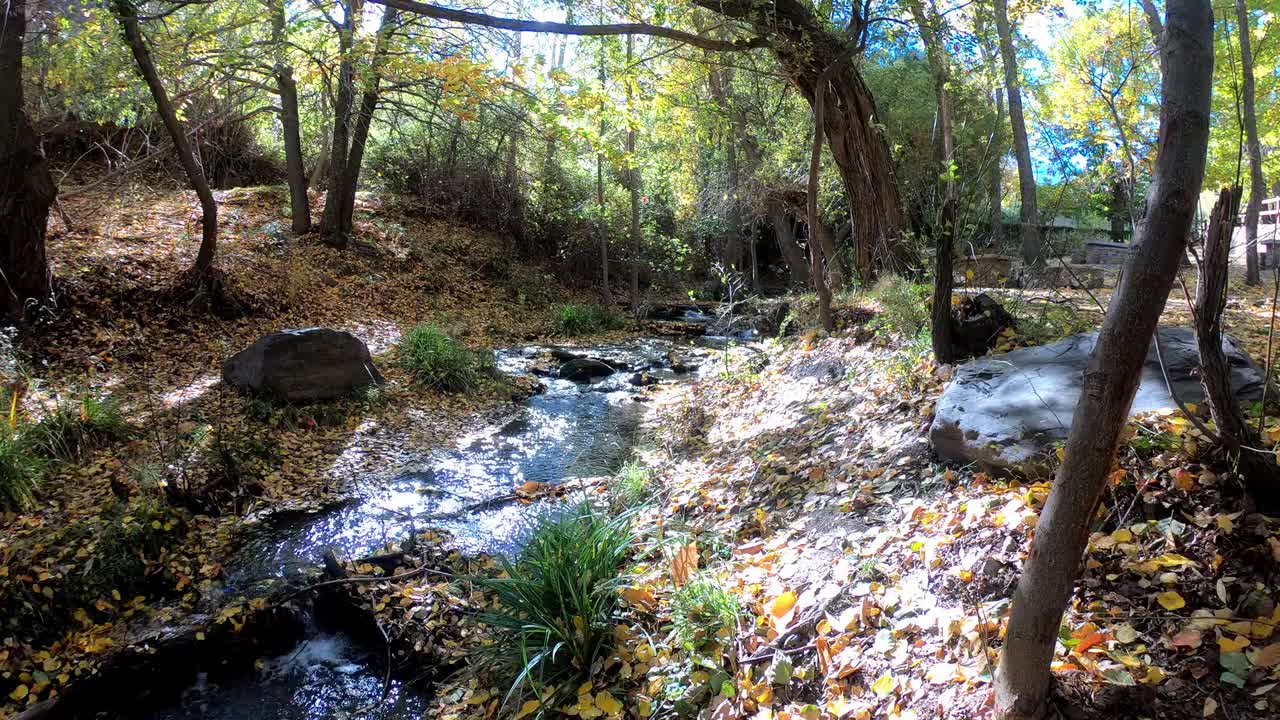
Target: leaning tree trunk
1260	472
195	175
805	48
1257	186
290	122
1115	366
26	187
1033	250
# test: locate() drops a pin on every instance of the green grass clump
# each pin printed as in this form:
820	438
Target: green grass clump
631	485
703	612
583	319
557	607
74	427
439	361
21	469
904	306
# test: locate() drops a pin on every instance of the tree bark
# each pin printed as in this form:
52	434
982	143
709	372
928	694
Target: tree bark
602	224
26	187
340	145
1033	250
146	67
1260	473
819	238
1115	365
290	122
720	83
930	24
785	232
1257	186
633	185
995	179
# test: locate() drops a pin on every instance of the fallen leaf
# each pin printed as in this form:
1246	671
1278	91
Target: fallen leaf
1170	600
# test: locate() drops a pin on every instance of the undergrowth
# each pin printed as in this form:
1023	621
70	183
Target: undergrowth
570	319
703	612
440	361
631	486
556	609
21	470
76	426
904	306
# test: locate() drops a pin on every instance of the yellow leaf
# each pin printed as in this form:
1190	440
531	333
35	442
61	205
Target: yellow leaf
527	708
782	604
684	563
1227	645
1154	676
645	707
884	685
639	597
1170	600
608	703
1123	535
19	693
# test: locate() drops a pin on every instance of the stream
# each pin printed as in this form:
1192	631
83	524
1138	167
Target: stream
572	430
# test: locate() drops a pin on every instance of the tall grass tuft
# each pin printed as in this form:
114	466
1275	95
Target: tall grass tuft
583	319
21	469
439	361
703	612
631	485
76	426
557	607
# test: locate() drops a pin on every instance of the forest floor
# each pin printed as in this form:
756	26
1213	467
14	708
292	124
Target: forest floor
872	580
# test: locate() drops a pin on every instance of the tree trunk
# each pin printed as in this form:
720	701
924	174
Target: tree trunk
290	122
1033	251
26	187
785	232
819	238
209	207
804	48
602	224
930	24
633	185
995	180
344	97
1257	186
1115	366
1260	473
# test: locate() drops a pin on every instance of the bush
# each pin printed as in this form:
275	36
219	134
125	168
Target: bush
21	469
703	612
439	361
583	319
904	306
76	427
557	607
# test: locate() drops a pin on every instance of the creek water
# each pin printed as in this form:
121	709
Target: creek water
572	430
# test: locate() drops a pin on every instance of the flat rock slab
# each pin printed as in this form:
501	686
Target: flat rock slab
1007	412
306	365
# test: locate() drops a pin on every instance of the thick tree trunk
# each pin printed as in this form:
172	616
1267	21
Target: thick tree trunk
146	67
785	232
1115	366
26	187
1033	251
1257	186
1260	472
804	48
340	145
290	122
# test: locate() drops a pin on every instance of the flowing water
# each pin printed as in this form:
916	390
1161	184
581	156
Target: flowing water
572	430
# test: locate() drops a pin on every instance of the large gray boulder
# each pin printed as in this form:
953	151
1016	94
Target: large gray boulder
303	365
1007	412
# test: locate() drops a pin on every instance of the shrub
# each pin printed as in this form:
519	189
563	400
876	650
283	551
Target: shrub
439	361
75	427
583	319
703	612
557	606
21	469
904	307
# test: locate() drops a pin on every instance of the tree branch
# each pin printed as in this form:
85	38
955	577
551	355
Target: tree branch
504	23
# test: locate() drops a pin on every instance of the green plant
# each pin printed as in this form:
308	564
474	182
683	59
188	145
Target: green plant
573	319
557	606
905	366
703	612
21	469
74	427
631	484
439	361
904	309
